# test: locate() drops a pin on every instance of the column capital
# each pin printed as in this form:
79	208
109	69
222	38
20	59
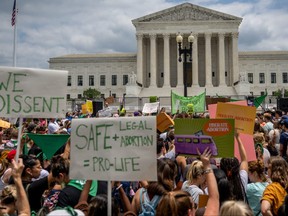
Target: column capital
152	35
221	35
208	34
166	35
139	36
235	35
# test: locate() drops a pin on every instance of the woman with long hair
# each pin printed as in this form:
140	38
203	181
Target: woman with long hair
257	186
274	194
237	173
167	171
195	180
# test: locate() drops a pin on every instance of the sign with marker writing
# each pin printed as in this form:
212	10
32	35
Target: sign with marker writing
27	92
150	107
114	149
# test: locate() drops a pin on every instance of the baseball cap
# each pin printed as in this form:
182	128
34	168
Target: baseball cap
283	118
285	123
64	212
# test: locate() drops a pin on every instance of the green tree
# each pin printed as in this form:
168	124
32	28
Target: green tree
278	93
91	94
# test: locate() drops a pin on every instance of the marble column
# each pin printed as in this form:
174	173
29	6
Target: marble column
166	60
153	81
195	81
139	58
221	58
235	66
208	67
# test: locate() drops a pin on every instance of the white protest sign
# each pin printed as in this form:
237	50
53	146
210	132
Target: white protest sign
150	107
114	149
28	92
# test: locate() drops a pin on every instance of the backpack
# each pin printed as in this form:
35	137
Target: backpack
148	208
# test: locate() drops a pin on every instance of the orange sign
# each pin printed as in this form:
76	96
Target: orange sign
244	116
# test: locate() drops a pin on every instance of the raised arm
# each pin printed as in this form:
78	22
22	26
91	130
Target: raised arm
22	203
243	154
213	204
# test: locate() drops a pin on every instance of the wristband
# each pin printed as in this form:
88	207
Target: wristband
119	187
209	170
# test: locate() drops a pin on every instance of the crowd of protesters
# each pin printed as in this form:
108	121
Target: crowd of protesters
34	185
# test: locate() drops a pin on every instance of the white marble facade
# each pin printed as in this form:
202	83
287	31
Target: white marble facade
216	65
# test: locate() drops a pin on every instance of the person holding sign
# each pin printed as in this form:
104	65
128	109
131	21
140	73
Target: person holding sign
181	203
237	173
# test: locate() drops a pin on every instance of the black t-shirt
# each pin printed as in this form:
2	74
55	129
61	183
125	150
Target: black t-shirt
35	191
69	196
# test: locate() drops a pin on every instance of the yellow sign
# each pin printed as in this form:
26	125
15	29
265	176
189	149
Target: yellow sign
4	124
244	116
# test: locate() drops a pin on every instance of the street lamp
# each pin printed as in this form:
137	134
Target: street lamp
187	52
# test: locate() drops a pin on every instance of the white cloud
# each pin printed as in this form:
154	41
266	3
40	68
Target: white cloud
52	28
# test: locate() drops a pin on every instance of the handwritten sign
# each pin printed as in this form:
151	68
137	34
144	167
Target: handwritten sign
28	92
114	149
150	107
244	116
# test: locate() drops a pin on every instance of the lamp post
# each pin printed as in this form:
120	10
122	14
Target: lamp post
186	52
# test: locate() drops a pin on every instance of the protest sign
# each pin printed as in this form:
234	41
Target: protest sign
114	149
244	116
193	134
37	93
4	124
151	107
247	139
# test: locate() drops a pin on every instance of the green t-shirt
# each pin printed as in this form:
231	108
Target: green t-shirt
79	184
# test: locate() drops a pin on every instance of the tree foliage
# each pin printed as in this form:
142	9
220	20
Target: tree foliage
91	94
278	93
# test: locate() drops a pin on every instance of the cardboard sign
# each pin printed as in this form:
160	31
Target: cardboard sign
244	116
4	124
215	134
164	121
114	149
27	92
151	107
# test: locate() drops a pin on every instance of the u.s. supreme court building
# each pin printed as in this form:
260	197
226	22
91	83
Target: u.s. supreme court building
217	66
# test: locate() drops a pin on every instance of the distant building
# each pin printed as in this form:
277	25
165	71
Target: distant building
216	66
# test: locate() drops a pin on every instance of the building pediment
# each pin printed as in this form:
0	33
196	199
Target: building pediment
186	12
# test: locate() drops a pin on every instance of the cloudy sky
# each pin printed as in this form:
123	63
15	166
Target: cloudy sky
51	28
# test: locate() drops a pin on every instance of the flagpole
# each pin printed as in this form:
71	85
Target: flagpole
15	33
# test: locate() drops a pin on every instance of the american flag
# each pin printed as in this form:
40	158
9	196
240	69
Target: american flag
13	19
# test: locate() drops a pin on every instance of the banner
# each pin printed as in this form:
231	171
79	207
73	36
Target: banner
181	103
32	93
118	149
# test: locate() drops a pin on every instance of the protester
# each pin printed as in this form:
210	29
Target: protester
257	186
274	194
237	173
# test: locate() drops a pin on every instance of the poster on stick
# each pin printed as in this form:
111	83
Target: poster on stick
114	149
32	93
